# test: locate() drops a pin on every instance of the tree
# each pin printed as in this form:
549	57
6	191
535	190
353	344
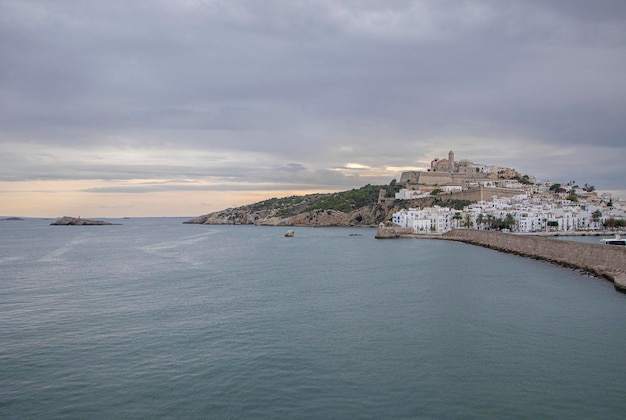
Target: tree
480	220
610	223
557	188
589	188
596	216
572	197
436	191
457	217
509	221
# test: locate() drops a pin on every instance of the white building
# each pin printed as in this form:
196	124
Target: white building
405	194
532	212
429	220
452	188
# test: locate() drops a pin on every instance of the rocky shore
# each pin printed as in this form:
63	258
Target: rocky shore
366	216
606	261
77	221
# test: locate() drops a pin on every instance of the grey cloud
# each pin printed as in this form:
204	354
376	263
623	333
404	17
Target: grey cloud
295	80
143	189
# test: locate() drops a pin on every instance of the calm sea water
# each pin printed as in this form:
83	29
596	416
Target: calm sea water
156	319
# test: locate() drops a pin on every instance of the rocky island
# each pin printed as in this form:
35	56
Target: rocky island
77	221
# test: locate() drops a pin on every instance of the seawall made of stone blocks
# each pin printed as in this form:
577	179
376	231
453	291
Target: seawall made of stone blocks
391	232
608	261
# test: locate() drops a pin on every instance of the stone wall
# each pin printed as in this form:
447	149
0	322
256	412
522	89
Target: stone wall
482	193
604	260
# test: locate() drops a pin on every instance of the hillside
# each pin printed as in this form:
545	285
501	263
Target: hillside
357	207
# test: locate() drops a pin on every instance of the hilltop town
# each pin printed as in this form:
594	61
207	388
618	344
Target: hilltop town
502	199
455	176
447	195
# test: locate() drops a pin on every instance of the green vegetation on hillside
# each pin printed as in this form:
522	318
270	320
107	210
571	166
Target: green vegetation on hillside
524	179
613	223
344	201
277	203
347	201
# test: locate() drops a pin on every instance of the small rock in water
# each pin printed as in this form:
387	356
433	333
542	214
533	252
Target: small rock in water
77	221
289	233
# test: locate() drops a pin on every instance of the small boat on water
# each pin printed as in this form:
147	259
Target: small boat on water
617	240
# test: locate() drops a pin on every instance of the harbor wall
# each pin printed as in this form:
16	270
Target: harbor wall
608	261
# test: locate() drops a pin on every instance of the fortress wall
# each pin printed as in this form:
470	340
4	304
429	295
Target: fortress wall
482	193
499	192
408	176
434	178
604	260
473	194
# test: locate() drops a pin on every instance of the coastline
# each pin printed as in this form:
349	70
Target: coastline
604	261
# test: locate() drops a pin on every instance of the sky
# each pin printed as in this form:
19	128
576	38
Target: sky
180	108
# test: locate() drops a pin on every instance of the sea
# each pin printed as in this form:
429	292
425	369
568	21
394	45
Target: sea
156	319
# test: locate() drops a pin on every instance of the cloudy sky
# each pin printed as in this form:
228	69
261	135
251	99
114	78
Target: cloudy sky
165	108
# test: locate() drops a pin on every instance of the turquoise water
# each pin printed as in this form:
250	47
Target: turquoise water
156	319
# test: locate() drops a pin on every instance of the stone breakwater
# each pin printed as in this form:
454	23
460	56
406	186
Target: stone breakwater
606	261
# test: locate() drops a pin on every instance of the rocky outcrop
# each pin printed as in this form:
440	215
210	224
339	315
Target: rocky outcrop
77	221
392	232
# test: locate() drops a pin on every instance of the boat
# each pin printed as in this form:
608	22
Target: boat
617	240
